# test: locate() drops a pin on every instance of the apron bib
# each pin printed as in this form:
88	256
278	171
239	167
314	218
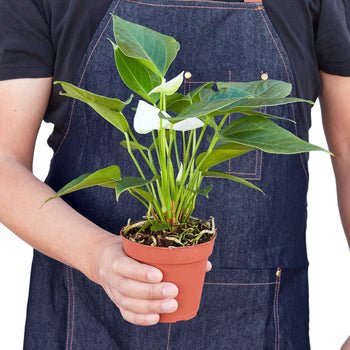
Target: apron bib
256	297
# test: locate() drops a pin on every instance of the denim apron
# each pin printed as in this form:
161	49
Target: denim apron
256	296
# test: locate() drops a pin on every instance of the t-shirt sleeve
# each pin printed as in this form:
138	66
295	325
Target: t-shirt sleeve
333	37
26	50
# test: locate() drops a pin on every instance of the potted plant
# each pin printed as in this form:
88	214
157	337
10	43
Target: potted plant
180	154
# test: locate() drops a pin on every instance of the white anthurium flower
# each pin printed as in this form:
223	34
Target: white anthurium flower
179	175
169	87
146	118
188	124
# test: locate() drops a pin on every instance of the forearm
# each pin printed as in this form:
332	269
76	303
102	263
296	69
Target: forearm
341	166
56	229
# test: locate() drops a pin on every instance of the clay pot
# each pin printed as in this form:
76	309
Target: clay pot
184	266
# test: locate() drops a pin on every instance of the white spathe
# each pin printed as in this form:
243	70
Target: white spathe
188	124
169	87
147	119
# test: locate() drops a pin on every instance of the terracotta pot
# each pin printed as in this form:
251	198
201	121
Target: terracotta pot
184	266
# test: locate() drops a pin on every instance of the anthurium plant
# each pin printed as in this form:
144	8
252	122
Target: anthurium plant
178	164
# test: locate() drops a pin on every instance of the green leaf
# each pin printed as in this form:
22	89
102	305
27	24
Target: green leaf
203	108
220	154
109	108
106	177
254	113
144	194
204	192
228	94
262	133
127	183
160	226
177	102
263	88
259	102
154	50
134	146
135	75
195	95
223	175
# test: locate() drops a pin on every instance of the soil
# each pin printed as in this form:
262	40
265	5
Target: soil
193	232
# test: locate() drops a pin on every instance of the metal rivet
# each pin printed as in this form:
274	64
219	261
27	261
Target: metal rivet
264	76
188	75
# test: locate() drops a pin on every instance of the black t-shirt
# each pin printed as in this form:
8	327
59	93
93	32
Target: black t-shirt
42	38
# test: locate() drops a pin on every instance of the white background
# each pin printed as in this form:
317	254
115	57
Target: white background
329	271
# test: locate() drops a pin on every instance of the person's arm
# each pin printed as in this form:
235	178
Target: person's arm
335	106
56	229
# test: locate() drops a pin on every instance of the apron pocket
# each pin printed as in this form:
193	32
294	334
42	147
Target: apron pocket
239	310
249	165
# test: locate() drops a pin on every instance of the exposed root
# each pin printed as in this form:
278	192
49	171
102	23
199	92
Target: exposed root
193	232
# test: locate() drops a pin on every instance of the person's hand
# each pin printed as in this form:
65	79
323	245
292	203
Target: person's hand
135	288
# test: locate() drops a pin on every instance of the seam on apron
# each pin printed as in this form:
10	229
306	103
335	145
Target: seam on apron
220	2
276	313
81	80
168	341
71	308
258	153
197	6
289	75
239	284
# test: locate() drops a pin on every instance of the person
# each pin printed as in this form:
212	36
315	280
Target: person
85	293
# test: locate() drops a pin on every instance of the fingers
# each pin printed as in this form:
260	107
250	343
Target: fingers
140	306
209	266
146	291
139	319
130	268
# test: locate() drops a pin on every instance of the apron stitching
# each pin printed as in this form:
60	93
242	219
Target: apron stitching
73	309
258	154
215	2
81	80
69	307
276	313
239	284
169	333
196	6
289	75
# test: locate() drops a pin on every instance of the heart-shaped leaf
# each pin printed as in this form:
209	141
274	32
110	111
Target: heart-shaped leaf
153	49
108	108
135	75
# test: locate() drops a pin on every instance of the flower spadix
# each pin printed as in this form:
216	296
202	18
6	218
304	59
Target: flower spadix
169	87
147	119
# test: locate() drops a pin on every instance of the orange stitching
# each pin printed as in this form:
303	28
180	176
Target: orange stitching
81	80
73	308
276	313
289	75
222	2
69	308
169	332
196	6
239	284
